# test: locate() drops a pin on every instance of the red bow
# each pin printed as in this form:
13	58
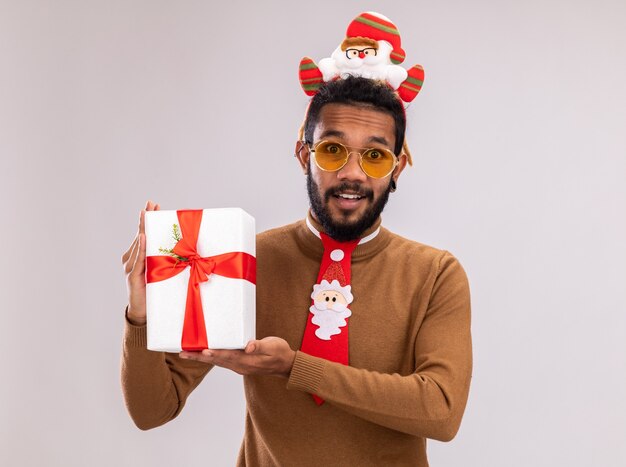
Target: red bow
235	265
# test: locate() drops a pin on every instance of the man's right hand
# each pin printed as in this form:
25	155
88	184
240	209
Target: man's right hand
134	261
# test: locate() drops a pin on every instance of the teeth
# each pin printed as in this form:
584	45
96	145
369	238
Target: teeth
346	196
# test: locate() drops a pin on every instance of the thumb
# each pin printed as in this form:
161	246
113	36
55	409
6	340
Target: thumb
254	347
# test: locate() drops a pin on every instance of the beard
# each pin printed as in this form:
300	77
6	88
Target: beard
329	321
343	231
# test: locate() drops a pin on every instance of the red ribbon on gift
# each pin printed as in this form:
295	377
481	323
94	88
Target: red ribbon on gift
236	265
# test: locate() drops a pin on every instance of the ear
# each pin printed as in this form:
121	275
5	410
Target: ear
400	167
302	154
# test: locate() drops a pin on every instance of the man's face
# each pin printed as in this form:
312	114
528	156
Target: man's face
347	202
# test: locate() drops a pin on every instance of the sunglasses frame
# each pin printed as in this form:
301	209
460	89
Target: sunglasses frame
312	150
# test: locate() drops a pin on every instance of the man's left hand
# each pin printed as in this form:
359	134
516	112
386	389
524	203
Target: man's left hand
268	356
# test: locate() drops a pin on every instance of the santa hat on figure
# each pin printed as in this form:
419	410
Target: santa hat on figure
379	28
372	49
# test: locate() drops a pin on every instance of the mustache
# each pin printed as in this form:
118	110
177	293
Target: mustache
323	306
355	188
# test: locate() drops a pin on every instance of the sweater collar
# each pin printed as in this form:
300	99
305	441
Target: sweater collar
372	241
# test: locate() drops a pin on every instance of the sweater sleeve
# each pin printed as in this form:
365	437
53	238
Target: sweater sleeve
427	403
155	384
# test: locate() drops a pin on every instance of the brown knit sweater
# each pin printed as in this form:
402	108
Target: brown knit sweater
410	358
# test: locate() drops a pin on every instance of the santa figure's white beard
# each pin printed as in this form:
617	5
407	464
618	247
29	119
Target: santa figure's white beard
329	318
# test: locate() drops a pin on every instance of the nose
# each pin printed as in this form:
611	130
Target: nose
352	170
361	54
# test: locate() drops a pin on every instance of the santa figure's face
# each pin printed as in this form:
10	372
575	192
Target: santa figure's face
360	52
331	300
331	296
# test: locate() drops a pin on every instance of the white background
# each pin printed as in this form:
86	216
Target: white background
519	139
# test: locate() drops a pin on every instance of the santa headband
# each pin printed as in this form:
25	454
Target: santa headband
371	49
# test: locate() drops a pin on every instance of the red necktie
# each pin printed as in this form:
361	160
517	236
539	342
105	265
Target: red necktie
326	332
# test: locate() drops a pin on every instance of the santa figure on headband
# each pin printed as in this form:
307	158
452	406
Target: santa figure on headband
372	49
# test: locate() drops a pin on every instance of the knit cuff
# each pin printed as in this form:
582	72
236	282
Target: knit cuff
306	374
134	336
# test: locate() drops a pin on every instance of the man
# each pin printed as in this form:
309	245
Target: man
409	323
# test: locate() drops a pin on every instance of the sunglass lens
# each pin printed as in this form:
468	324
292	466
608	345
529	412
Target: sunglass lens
330	156
378	163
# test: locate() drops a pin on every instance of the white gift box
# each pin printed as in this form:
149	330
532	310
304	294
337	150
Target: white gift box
228	304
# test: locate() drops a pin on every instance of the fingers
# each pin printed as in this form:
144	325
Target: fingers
129	264
132	255
243	363
150	206
142	222
197	356
128	252
224	358
140	258
229	359
142	214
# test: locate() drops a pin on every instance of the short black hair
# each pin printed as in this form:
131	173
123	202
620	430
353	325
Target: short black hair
355	90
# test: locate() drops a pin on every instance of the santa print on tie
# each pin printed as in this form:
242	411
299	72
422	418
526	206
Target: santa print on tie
326	332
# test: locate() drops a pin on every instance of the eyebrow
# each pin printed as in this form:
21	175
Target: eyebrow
340	134
379	140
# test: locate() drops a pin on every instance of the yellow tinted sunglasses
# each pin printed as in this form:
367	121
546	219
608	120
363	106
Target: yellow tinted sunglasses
331	156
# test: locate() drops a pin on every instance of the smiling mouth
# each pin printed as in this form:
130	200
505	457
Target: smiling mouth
352	196
349	193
